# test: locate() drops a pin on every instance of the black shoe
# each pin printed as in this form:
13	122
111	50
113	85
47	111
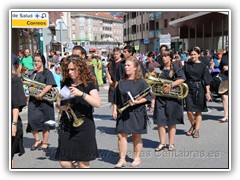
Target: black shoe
43	148
33	148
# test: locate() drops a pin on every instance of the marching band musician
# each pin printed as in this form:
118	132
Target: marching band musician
134	119
198	80
78	143
40	111
18	102
168	111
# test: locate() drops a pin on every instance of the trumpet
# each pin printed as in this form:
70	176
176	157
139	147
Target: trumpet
76	121
158	85
36	87
137	97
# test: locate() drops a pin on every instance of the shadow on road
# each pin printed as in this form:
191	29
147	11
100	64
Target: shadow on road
106	130
111	157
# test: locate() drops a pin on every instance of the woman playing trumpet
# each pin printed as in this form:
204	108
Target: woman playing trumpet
168	111
78	143
133	120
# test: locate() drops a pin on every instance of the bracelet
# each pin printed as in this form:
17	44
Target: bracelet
14	123
83	95
171	84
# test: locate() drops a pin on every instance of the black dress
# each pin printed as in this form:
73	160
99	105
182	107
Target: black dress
40	111
198	77
224	74
116	71
78	143
18	101
134	119
169	111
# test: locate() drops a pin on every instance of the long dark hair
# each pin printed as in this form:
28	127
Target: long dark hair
170	54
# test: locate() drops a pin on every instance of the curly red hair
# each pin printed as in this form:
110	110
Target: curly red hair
84	70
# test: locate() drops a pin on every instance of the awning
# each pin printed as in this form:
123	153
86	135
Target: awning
93	49
203	22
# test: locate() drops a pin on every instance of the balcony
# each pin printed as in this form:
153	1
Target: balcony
155	15
152	34
155	33
151	15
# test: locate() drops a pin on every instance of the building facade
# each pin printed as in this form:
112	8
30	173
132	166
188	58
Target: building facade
96	30
144	30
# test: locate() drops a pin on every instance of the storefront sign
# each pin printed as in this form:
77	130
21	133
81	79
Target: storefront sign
30	20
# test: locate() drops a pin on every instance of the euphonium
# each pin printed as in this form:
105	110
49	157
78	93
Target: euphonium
76	121
36	87
139	96
158	85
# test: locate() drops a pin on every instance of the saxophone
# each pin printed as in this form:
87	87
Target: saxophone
158	85
36	87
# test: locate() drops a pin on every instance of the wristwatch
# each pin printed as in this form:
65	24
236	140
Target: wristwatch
14	123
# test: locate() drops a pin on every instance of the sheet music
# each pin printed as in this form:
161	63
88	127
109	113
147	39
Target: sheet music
65	92
130	95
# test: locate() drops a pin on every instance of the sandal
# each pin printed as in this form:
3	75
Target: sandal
195	133
190	131
223	120
36	145
136	163
160	147
44	148
120	163
171	147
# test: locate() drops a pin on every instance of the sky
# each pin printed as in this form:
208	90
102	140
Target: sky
123	4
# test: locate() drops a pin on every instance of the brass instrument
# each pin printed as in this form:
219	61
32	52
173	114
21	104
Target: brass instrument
36	87
139	96
76	121
158	85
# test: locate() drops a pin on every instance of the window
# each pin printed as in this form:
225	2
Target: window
82	35
74	36
157	25
165	23
82	27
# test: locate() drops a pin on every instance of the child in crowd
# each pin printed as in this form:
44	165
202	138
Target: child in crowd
58	76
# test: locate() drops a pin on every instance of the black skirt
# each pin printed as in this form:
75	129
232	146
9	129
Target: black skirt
38	113
196	100
77	144
133	121
168	111
17	141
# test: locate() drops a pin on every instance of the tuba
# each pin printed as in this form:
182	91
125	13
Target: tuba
139	96
158	85
36	87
